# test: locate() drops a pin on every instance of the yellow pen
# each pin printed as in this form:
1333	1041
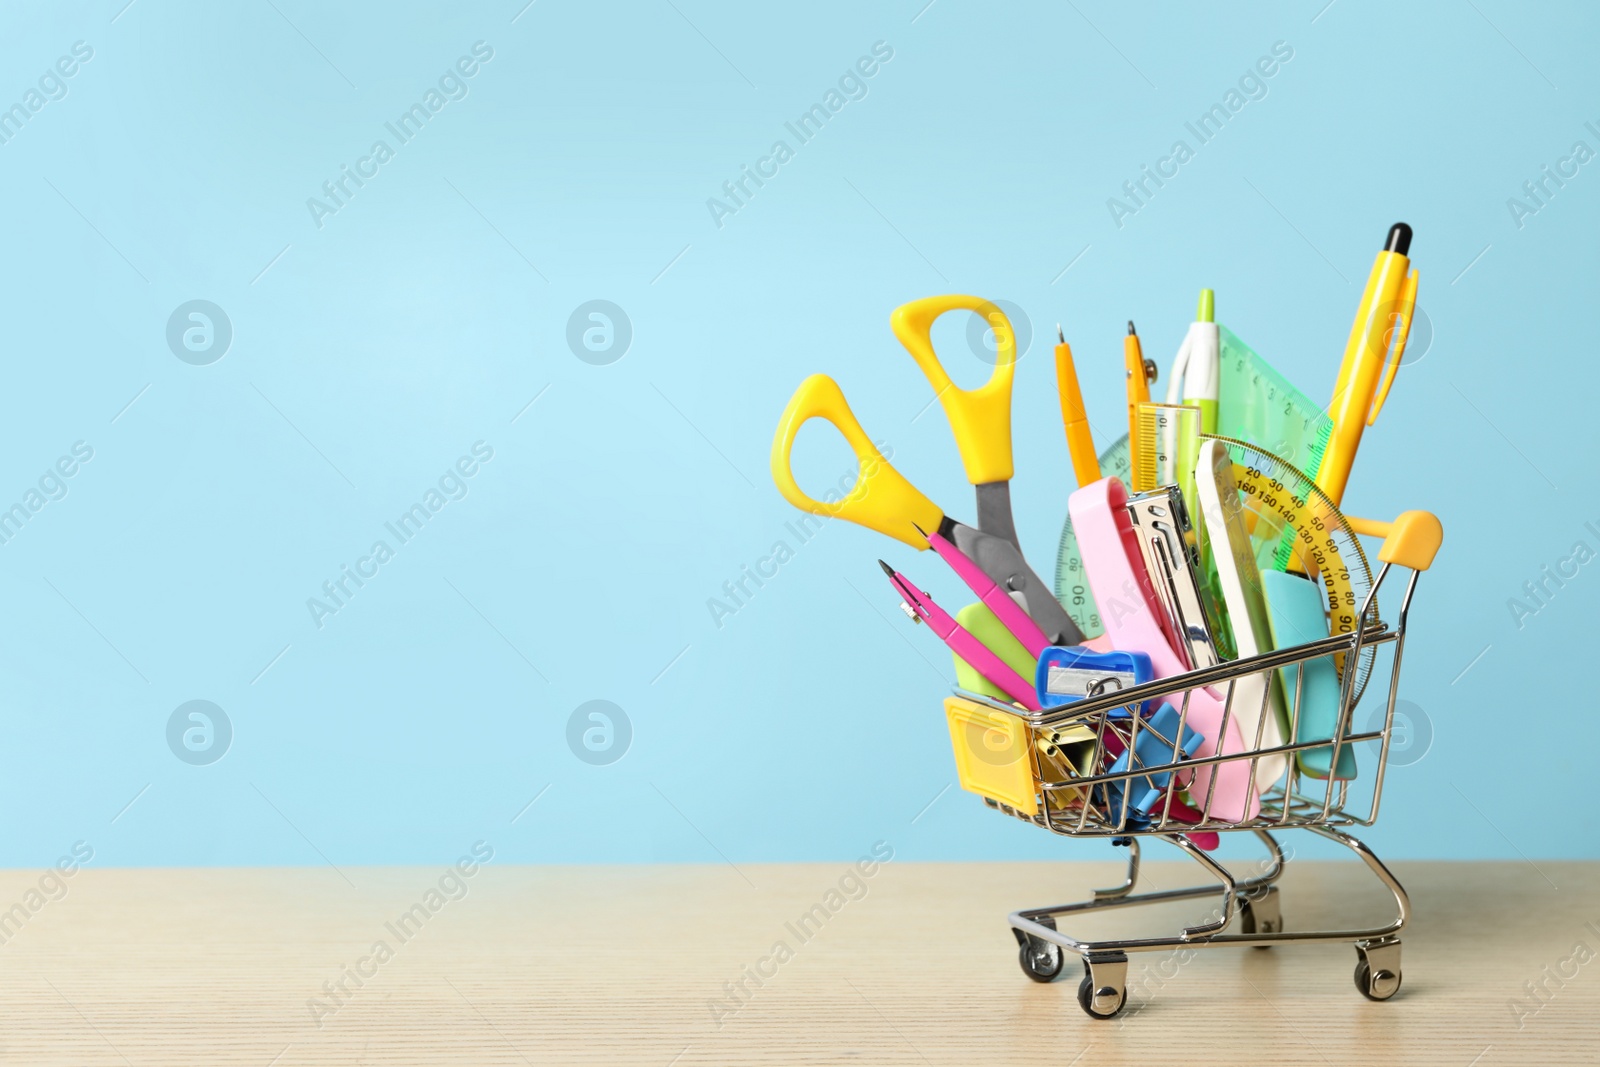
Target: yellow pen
1080	442
1371	357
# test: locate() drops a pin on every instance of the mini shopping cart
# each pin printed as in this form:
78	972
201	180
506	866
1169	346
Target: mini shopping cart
1016	759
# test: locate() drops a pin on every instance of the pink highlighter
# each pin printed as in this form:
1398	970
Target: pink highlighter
921	608
997	600
1133	619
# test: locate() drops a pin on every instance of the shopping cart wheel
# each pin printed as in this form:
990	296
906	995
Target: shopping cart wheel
1261	916
1041	960
1101	994
1378	969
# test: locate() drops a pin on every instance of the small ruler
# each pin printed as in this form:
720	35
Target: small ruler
1260	407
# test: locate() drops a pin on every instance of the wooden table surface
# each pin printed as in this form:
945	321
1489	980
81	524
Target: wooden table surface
625	965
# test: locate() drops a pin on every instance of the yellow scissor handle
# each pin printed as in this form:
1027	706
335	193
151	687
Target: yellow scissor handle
1406	310
980	418
881	499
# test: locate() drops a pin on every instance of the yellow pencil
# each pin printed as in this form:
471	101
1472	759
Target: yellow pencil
1140	374
1085	465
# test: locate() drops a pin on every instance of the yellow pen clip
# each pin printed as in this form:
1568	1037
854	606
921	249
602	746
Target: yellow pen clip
980	418
1406	310
881	499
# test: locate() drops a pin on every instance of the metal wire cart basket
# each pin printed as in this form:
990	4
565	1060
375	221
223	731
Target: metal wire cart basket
1110	766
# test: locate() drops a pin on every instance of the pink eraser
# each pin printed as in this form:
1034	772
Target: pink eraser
1132	616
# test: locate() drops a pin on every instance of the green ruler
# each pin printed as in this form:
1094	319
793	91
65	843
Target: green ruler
1260	407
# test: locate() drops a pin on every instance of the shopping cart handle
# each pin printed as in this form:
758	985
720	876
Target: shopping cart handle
1411	540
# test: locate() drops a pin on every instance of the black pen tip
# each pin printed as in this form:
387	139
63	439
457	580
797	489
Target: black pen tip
919	530
1399	241
1131	331
886	568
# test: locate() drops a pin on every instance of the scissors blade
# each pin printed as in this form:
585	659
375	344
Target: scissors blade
994	512
1002	560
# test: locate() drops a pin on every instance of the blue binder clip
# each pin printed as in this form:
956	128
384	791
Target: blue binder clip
1157	745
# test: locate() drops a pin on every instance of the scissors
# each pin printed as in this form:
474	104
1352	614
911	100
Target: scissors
883	500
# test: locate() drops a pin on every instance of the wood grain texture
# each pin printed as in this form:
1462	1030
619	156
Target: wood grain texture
618	965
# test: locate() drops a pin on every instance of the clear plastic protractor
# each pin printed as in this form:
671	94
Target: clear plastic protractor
1072	584
1288	516
1284	509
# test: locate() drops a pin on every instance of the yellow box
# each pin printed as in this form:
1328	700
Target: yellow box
991	750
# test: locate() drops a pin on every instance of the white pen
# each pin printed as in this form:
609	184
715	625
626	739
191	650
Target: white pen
1197	368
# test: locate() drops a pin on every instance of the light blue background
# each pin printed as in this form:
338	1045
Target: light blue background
432	308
